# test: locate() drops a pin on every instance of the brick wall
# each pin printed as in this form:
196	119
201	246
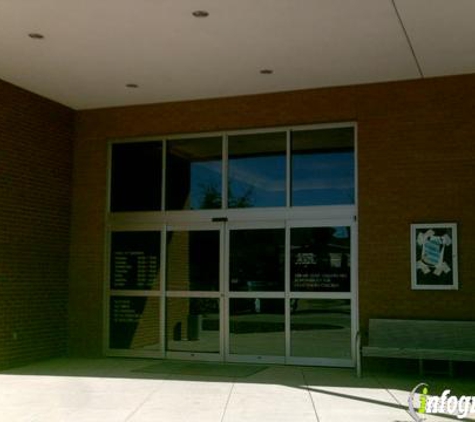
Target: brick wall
35	190
416	163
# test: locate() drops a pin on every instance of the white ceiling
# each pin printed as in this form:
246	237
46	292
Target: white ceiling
93	48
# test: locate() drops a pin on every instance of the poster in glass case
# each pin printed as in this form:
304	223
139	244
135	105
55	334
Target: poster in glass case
434	256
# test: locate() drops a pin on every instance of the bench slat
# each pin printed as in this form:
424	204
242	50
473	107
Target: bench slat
409	353
419	339
426	334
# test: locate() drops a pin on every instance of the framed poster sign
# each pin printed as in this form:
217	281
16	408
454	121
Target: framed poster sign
434	256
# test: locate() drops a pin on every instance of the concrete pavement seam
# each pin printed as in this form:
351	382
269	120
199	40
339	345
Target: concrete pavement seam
310	395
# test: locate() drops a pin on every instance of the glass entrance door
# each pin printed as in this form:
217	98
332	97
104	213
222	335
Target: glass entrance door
276	292
280	292
290	294
321	296
255	291
193	300
236	246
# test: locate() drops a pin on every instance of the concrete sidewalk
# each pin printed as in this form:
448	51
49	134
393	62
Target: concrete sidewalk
110	390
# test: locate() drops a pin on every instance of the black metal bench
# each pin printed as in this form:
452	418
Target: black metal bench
419	339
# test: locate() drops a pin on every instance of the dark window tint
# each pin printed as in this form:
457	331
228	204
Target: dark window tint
257	326
194	174
257	167
193	260
257	260
320	328
136	176
323	169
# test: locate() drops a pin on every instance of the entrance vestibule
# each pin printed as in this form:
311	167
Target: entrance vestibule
253	260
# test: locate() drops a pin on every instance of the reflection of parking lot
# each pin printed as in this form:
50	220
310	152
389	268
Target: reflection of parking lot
319	328
300	320
313	334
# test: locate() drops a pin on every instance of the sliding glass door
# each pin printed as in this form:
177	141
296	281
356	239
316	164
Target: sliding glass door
321	294
234	246
255	292
194	300
289	292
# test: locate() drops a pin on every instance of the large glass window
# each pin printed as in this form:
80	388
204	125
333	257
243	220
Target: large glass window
321	171
323	167
194	174
257	169
255	230
136	177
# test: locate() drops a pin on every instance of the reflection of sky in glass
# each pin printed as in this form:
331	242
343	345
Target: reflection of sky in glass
323	178
205	177
317	179
341	232
260	180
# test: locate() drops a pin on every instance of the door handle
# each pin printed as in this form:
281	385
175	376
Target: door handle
219	219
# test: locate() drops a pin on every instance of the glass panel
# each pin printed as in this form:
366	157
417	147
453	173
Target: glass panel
135	260
257	170
257	326
320	259
193	325
323	167
320	328
257	260
194	174
134	323
193	260
136	176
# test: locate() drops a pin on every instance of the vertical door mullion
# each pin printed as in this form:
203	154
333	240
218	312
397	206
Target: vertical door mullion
287	292
224	300
224	171
222	296
107	292
354	289
225	292
288	176
163	298
164	175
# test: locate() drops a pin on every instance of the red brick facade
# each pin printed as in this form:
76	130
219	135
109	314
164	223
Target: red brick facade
35	192
416	163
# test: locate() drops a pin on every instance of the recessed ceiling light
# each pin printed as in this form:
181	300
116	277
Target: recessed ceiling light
200	14
131	85
36	36
266	71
